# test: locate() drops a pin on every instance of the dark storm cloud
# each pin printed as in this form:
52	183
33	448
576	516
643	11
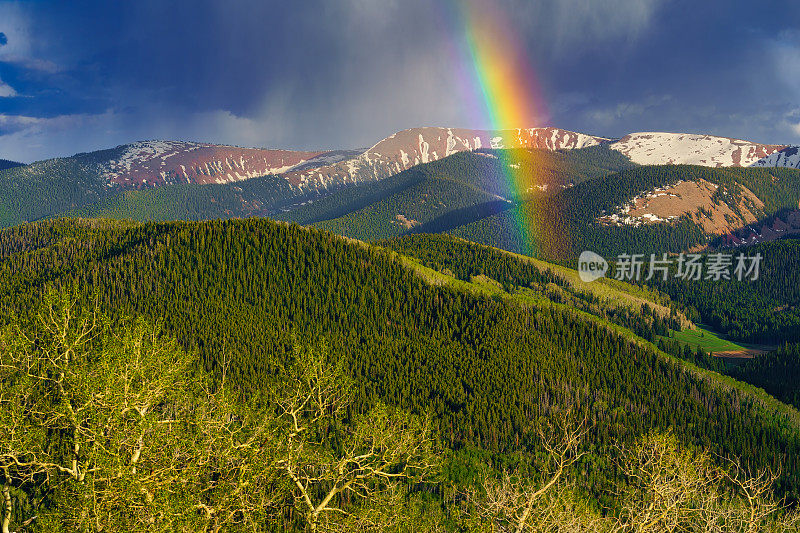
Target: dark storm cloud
346	73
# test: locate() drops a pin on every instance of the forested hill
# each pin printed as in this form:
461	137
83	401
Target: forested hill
572	220
77	186
49	188
765	311
74	186
5	163
454	191
573	201
485	365
588	198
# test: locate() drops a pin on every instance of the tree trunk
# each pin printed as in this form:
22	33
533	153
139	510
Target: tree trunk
6	508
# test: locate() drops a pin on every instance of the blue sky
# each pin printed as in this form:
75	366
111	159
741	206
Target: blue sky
80	76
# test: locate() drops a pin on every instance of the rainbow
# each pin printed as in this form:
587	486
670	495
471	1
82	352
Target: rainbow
497	79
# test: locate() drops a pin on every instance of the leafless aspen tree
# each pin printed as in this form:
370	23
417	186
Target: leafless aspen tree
515	503
672	488
112	422
366	460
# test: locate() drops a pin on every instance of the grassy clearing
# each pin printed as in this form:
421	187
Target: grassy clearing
706	340
713	343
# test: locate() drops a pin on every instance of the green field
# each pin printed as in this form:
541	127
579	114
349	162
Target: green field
705	339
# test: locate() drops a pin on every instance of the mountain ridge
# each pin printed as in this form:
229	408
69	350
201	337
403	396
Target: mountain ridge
266	182
411	147
167	162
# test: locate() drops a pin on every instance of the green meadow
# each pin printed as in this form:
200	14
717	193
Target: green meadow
705	339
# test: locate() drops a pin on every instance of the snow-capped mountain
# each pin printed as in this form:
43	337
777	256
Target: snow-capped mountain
88	180
155	163
411	147
151	163
657	148
788	157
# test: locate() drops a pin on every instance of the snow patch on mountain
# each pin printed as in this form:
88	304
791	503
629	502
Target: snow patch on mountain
143	151
658	148
152	163
328	158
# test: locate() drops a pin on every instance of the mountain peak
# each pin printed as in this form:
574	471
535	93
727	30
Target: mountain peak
407	148
662	148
